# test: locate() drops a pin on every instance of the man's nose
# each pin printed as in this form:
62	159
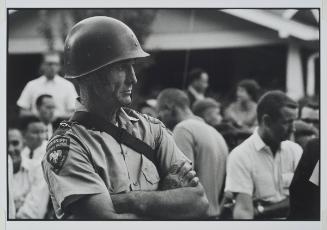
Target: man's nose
10	149
131	76
41	135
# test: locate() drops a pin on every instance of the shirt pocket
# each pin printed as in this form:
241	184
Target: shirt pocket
264	185
286	182
150	176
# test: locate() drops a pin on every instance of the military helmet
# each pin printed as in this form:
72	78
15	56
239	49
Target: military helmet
96	42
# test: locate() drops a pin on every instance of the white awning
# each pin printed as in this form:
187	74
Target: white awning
210	40
285	27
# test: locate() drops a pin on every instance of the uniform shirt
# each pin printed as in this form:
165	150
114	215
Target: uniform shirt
62	91
252	169
207	149
94	162
30	190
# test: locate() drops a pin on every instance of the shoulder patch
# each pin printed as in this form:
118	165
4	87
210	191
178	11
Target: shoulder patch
57	152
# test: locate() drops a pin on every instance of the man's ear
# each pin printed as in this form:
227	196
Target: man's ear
266	120
174	110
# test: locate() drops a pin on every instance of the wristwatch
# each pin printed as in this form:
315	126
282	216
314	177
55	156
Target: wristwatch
260	208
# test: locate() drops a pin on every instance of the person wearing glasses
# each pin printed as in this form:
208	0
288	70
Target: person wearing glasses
62	91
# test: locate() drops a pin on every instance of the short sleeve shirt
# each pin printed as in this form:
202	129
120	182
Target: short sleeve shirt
63	92
208	150
252	169
93	162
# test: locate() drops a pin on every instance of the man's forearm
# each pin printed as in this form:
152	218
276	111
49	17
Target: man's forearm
275	210
96	207
104	215
180	203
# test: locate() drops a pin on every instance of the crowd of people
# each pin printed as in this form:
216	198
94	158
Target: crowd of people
182	155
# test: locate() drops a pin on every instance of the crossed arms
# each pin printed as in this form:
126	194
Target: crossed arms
181	196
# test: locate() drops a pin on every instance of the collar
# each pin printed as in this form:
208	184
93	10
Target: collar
195	93
55	78
121	113
24	165
129	117
258	142
25	152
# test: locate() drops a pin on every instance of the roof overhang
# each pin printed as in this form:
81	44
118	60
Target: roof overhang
209	40
285	27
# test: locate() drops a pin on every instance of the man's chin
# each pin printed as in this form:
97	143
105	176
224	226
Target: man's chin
126	102
286	138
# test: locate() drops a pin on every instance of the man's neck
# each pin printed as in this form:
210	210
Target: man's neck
50	78
109	113
46	122
273	145
245	104
195	92
185	114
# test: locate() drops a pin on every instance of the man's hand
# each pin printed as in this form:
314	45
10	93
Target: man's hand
179	175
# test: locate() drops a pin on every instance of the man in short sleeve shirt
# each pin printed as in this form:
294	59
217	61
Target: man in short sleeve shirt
260	170
199	142
93	175
62	91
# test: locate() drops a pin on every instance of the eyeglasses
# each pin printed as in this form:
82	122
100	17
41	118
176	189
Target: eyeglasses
14	143
52	63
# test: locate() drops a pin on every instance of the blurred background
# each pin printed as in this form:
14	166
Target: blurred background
279	48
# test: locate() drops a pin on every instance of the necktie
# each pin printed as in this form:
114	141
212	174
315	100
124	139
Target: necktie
31	154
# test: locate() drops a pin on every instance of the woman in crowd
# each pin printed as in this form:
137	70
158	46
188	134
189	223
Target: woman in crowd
242	112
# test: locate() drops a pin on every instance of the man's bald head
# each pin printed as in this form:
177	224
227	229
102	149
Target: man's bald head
171	103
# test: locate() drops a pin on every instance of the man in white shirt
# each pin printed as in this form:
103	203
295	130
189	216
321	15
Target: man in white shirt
15	146
63	91
34	133
260	170
198	81
309	113
29	188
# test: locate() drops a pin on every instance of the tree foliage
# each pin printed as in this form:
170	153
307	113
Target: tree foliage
139	20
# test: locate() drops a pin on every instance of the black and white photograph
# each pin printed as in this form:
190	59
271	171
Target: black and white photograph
163	114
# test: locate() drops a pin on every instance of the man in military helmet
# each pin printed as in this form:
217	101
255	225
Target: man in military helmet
108	161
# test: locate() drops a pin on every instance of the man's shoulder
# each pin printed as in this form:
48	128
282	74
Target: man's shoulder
36	81
244	149
137	116
61	80
291	147
192	123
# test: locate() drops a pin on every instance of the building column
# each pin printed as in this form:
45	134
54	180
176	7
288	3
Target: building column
311	74
294	73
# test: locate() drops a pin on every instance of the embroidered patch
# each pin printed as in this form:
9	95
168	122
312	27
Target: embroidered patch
57	152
